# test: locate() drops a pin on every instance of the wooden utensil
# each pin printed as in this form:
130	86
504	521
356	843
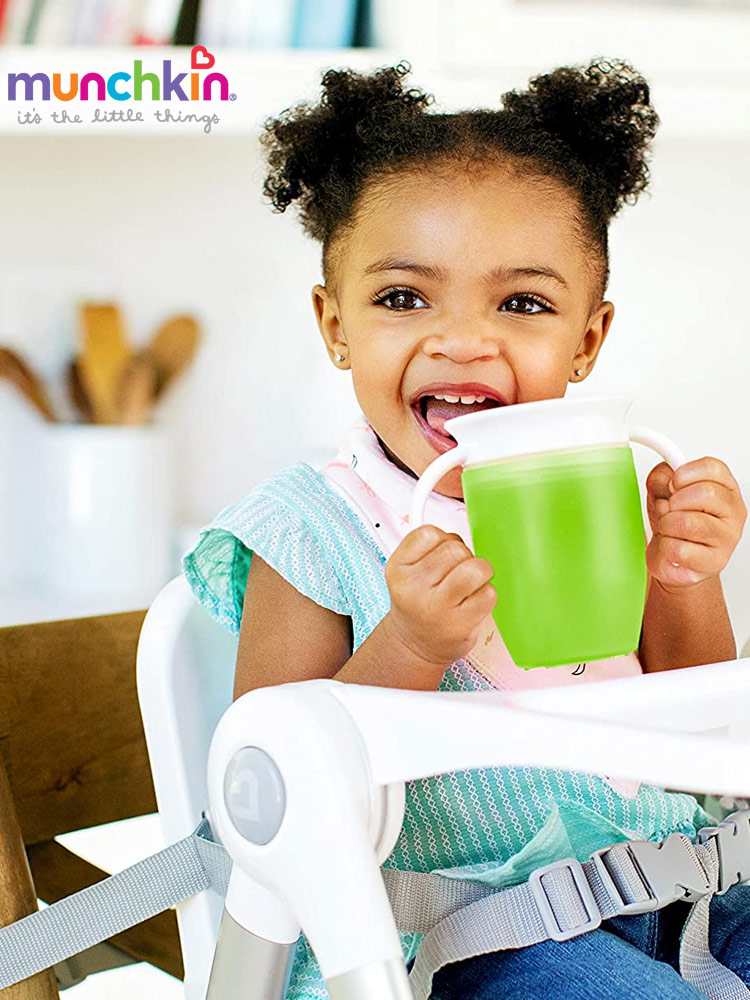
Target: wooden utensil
135	391
104	354
16	370
172	349
77	392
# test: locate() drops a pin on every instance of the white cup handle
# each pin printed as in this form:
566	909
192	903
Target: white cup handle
659	443
430	478
435	471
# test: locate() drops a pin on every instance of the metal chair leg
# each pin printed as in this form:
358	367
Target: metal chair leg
248	967
379	981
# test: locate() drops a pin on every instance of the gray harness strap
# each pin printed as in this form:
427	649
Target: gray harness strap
697	964
567	898
87	917
459	919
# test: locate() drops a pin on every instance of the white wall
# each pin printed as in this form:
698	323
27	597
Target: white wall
178	224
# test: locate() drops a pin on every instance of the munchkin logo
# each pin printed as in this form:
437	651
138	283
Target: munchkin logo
123	86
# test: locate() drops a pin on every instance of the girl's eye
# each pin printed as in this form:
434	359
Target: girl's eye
521	304
404	300
400	299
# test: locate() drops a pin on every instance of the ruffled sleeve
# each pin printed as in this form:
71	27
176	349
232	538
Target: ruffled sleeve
267	523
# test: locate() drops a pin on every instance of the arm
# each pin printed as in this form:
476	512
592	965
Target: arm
686	627
440	594
285	637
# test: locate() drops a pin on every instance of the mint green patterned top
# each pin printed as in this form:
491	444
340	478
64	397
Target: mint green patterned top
493	825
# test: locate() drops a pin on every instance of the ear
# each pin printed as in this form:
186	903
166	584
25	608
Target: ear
328	315
588	349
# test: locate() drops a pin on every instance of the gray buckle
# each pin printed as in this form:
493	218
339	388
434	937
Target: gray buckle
733	845
668	870
639	906
546	912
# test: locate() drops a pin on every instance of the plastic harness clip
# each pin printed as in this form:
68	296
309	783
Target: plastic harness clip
732	837
552	923
668	871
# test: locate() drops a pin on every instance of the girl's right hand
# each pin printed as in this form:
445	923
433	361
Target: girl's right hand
440	594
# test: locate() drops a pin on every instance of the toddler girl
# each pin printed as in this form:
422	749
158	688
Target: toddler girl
465	264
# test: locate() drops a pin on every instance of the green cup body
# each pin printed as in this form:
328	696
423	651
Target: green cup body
564	534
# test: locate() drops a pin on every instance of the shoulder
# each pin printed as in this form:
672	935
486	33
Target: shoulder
299	526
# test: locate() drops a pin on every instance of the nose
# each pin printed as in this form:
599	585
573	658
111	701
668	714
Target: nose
463	341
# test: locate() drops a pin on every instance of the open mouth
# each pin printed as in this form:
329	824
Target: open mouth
433	409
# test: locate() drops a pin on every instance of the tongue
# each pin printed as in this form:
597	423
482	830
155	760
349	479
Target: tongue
437	411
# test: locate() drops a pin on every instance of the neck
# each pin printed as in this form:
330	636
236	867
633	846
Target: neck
396	461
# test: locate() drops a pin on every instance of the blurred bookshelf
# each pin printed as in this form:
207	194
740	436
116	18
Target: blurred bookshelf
465	52
215	23
317	24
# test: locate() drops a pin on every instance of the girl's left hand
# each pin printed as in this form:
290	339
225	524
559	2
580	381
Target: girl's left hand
697	515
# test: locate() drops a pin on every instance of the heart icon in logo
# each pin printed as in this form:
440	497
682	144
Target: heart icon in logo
201	58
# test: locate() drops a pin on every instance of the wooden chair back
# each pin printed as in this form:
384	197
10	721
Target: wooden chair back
72	756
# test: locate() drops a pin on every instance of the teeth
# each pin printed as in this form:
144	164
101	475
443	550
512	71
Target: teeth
455	399
463	399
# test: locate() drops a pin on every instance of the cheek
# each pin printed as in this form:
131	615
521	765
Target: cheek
541	368
378	362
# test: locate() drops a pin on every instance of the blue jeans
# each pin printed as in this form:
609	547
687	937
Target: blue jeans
628	958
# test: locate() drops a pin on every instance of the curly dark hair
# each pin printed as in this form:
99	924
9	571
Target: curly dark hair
589	127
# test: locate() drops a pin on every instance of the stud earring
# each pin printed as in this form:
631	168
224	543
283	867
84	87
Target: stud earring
579	371
338	357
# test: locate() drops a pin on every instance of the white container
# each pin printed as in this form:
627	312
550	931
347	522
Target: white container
102	523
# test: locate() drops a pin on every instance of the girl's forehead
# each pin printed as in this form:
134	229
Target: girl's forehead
462	219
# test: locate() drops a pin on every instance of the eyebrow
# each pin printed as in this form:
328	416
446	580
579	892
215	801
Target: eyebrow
436	273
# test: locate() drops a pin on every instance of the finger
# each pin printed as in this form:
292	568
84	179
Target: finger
671	553
438	563
708	496
695	526
704	468
481	602
658	480
419	542
465	579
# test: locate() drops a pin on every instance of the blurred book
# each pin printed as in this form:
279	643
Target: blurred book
89	22
186	29
240	19
32	21
211	20
16	20
324	24
53	23
156	22
272	26
253	24
85	23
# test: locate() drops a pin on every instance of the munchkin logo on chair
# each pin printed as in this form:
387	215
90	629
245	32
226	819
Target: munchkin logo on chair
124	86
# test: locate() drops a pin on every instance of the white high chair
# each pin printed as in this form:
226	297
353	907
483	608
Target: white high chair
185	672
296	768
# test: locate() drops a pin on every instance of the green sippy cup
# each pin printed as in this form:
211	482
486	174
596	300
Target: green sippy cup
553	504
